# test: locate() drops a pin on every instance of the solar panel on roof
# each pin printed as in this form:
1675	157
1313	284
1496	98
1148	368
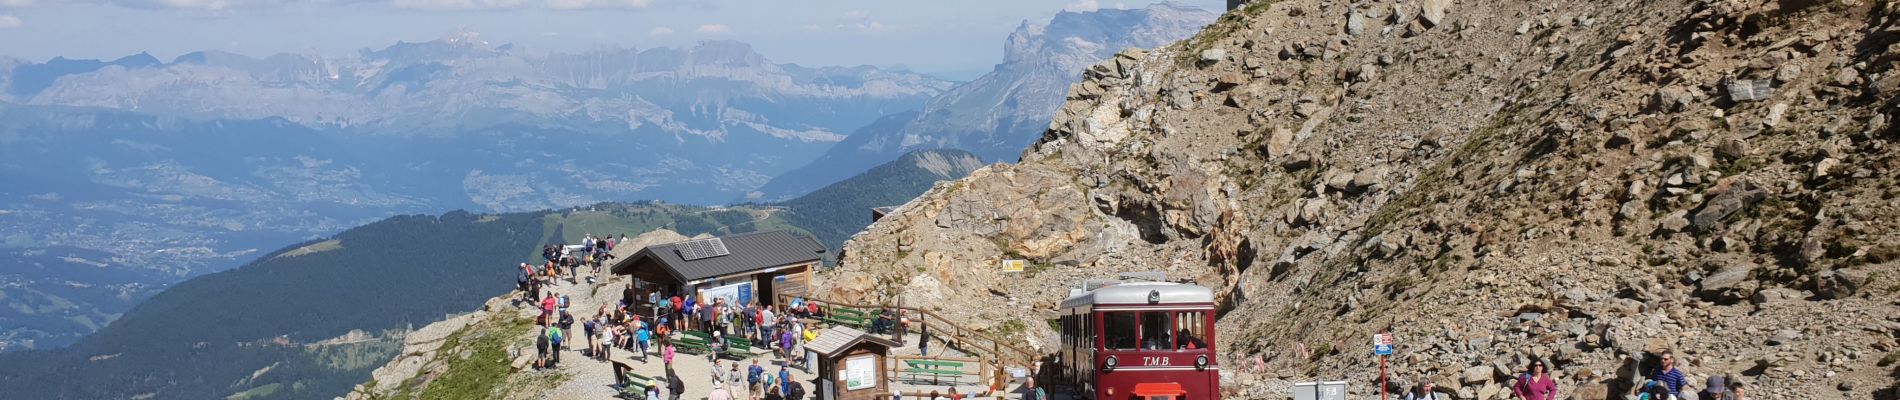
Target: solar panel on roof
701	249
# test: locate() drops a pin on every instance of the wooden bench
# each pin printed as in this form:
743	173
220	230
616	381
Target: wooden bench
737	349
636	387
848	321
692	345
936	369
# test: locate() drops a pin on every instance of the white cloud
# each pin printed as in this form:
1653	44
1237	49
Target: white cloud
455	4
15	3
9	22
661	31
589	4
855	15
1083	6
713	29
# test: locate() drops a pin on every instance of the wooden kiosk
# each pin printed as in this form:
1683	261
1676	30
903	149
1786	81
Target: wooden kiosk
850	364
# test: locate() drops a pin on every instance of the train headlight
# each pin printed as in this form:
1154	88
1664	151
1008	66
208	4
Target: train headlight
1200	363
1109	364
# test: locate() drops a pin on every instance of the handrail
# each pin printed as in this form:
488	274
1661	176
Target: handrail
1023	357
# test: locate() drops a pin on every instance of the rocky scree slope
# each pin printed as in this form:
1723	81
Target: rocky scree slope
1587	183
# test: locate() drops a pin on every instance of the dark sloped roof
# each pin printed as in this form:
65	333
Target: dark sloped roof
749	251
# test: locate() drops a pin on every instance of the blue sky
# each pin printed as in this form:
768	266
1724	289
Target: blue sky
944	36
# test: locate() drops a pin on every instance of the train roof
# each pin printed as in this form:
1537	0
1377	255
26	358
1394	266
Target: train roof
1138	293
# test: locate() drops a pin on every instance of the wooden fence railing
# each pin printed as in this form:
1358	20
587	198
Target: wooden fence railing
960	338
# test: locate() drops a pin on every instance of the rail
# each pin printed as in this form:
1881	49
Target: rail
959	337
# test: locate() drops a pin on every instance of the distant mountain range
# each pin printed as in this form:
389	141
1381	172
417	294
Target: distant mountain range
281	326
462	83
156	171
160	170
999	114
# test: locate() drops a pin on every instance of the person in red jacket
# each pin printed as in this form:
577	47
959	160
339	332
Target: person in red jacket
1536	384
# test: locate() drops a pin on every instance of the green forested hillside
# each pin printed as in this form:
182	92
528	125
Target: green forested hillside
250	330
840	210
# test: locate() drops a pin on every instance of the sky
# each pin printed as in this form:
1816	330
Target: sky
948	37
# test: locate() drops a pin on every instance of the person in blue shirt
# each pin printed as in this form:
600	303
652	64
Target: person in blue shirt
1668	375
784	380
645	336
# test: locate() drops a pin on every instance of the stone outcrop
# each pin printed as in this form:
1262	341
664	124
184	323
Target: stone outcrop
1586	183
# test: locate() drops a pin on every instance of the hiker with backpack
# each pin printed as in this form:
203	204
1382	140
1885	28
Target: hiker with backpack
754	377
555	342
1535	383
567	320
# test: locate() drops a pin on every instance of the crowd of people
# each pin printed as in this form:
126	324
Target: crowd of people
1663	382
646	324
655	324
561	261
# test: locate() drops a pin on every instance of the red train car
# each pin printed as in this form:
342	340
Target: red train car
1146	340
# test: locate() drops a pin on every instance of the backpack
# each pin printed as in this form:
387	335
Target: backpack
754	373
554	336
798	391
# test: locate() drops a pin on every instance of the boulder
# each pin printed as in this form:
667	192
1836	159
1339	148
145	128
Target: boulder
1355	23
1744	90
1491	391
1774	295
1840	283
1476	375
1725	284
1591	391
1673	222
1824	167
1731	149
1433	11
1280	142
1735	198
1213	55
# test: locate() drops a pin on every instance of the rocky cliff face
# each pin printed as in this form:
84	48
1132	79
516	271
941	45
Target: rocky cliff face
999	113
1588	183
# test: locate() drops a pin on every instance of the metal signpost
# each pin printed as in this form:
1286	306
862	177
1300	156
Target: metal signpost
1382	346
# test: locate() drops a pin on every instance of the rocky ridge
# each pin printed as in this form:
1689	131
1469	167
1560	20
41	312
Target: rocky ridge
1587	183
997	114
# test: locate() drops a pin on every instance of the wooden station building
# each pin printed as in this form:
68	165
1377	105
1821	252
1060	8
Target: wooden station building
757	266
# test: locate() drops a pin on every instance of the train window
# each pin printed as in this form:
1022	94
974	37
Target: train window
1191	330
1118	331
1155	334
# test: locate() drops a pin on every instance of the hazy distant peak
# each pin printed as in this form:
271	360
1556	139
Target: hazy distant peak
142	59
453	46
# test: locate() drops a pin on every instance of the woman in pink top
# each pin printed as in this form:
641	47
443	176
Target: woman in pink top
1536	384
666	353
